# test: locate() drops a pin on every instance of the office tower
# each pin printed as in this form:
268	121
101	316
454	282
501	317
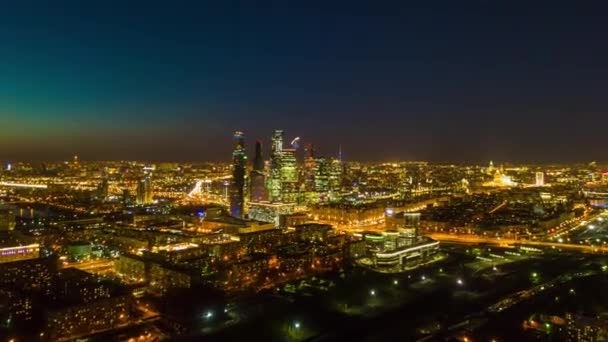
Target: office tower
309	168
540	178
335	175
289	175
144	190
257	176
140	192
276	152
258	161
7	218
237	186
322	170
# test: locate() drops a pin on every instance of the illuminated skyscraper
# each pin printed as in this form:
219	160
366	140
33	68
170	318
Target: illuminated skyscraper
322	170
289	175
274	181
237	187
257	176
335	175
144	190
258	161
309	168
540	178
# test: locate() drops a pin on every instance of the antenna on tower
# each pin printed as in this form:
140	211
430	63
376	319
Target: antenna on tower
340	152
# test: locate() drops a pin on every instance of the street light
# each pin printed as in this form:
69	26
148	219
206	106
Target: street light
296	325
372	292
459	282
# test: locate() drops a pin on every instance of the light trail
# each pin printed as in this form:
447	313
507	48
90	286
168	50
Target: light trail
24	185
474	239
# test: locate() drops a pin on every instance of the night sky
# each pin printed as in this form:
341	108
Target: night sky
444	81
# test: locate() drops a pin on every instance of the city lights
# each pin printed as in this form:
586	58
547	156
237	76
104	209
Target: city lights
231	171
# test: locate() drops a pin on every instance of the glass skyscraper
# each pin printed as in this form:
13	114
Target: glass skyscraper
237	187
257	176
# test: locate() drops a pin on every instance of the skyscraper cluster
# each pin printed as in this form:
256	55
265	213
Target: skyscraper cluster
282	179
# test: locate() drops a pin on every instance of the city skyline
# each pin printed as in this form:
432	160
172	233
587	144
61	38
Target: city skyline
444	82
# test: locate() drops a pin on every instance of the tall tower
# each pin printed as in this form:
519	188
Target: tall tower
289	175
258	161
257	176
237	187
144	191
276	154
309	168
322	171
540	178
335	175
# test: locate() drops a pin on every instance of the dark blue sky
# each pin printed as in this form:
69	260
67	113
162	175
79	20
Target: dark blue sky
434	80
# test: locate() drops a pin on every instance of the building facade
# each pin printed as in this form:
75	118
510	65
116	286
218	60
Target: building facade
237	186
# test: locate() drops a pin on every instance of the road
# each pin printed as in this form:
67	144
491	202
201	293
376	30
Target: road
472	321
95	266
475	239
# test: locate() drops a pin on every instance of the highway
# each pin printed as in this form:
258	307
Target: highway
476	239
95	266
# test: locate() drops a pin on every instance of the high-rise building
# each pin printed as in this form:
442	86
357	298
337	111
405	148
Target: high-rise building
289	175
335	175
237	186
257	177
274	180
322	171
144	191
540	178
309	168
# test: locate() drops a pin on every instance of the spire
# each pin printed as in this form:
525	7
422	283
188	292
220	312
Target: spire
340	152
